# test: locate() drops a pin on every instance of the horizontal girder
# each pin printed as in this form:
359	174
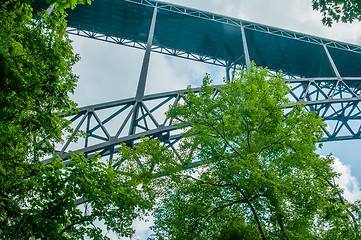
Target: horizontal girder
106	125
209	38
326	74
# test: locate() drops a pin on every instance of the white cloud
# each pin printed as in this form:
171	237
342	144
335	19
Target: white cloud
107	71
295	15
143	228
347	181
167	73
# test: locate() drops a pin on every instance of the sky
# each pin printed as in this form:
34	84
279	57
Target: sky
111	72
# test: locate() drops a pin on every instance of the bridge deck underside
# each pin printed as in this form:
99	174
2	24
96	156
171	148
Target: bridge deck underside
323	74
211	38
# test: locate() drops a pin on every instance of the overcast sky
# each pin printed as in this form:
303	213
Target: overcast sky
110	72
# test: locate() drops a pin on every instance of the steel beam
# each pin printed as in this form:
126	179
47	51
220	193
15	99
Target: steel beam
342	112
245	48
144	72
334	68
143	75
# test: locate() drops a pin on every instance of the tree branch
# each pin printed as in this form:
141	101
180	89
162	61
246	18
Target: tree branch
85	219
207	183
224	139
220	208
255	215
343	203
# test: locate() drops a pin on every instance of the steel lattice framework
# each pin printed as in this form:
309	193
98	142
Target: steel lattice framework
323	74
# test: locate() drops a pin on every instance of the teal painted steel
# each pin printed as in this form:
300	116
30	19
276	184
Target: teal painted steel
324	75
210	38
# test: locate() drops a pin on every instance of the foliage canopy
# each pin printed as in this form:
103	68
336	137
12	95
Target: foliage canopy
38	201
260	177
35	70
338	10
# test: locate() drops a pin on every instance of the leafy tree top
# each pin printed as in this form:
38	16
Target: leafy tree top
260	177
338	10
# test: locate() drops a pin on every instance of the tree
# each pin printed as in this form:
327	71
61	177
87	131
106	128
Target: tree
49	209
259	177
38	201
338	11
35	69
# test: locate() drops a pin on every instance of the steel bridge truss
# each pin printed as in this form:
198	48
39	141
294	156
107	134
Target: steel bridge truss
94	34
107	125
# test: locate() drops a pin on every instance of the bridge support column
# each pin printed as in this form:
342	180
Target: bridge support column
333	65
228	69
143	74
245	48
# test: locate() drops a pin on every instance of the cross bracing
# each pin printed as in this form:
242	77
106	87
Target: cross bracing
323	74
336	101
208	37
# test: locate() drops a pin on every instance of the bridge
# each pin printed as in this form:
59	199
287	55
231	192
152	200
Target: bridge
324	75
